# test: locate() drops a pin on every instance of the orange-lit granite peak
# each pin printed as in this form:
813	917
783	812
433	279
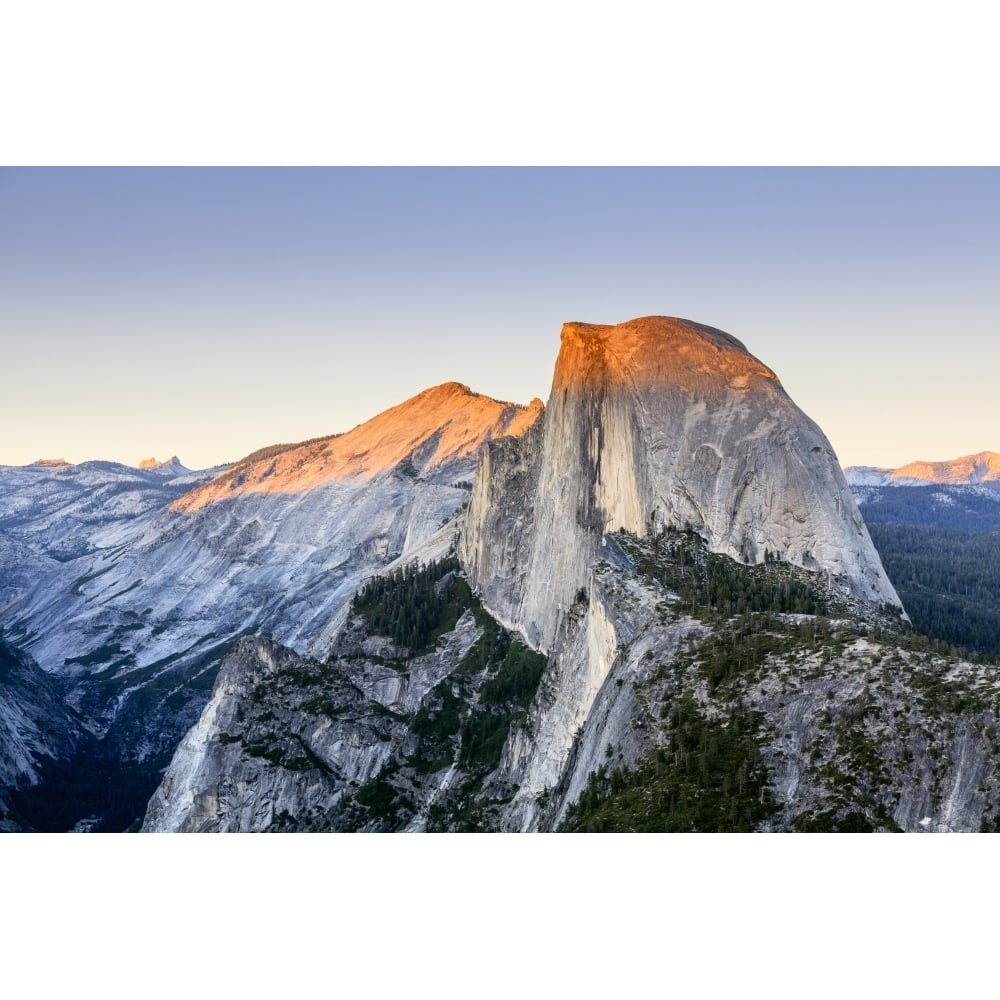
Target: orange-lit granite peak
980	468
655	423
651	351
429	433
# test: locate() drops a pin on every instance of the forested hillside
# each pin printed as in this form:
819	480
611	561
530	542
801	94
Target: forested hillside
948	580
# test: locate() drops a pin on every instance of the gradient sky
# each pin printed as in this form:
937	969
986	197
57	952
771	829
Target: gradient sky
210	312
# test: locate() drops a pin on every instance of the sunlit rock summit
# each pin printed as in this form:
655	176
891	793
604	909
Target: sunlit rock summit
650	423
431	436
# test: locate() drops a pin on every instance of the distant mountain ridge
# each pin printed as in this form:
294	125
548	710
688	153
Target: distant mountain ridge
171	465
983	467
962	493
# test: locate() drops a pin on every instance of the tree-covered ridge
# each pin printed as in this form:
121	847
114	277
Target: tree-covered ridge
709	775
463	723
966	508
416	604
940	546
458	729
708	583
730	708
851	712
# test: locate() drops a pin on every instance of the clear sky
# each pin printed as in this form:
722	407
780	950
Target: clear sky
210	312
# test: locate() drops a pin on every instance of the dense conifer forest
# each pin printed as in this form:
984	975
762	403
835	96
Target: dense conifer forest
948	580
940	546
969	509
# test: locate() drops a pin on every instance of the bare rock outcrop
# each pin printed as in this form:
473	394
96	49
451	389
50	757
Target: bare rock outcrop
653	423
650	423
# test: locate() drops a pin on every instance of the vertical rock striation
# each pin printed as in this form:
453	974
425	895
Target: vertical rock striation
650	423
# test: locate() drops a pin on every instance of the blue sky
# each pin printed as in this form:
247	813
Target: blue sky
209	312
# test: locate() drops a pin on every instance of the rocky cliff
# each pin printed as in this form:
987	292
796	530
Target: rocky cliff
720	696
391	732
35	726
135	578
652	424
134	584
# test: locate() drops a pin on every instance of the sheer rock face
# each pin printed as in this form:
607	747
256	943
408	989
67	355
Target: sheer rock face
285	735
653	422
